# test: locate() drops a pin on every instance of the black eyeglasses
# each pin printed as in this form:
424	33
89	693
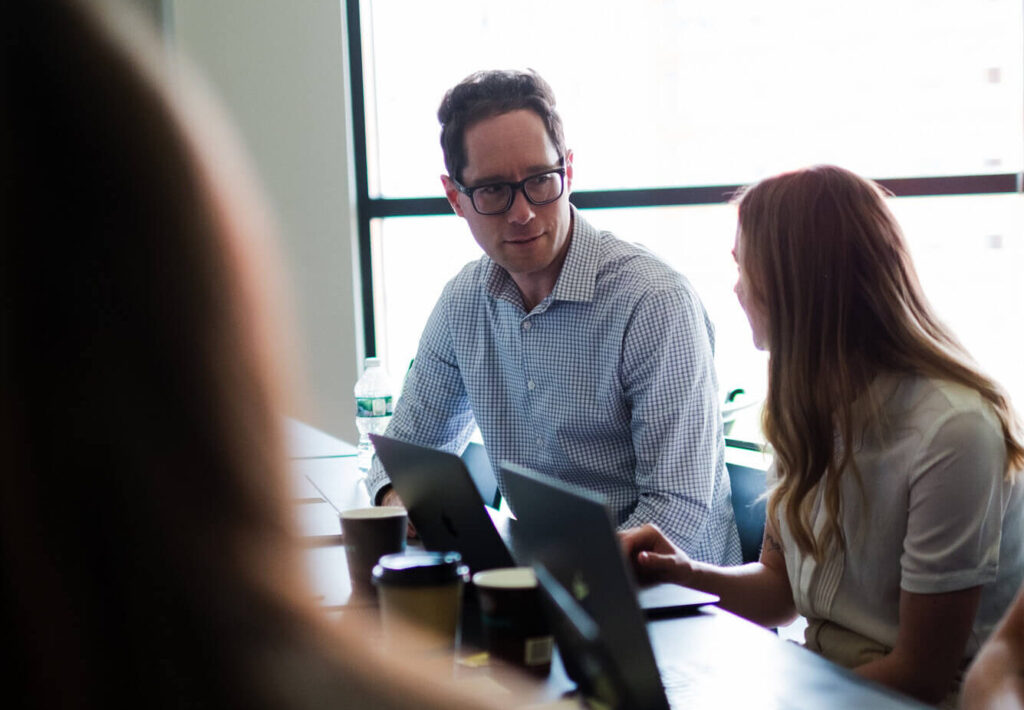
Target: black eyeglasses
497	197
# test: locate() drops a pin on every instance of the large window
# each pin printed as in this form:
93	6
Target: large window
670	104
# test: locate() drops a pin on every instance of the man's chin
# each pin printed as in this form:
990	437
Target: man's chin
523	259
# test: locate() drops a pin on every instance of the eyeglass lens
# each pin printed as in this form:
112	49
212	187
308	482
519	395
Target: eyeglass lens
540	189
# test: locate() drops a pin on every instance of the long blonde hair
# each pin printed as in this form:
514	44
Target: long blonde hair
829	265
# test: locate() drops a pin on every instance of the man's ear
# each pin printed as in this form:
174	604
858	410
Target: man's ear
568	171
452	193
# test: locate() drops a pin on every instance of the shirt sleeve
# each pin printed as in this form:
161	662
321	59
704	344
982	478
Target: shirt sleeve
955	508
669	379
434	408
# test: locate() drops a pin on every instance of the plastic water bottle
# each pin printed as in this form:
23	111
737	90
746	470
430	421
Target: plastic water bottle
373	408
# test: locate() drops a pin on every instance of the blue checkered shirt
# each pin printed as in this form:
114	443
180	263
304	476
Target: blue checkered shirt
608	383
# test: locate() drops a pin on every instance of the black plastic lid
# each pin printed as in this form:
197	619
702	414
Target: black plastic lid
420	568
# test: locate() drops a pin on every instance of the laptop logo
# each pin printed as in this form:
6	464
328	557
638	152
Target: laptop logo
449	526
580	590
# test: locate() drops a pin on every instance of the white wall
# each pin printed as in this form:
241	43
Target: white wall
280	67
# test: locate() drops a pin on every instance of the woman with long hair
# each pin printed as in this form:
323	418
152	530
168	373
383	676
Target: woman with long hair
893	522
148	555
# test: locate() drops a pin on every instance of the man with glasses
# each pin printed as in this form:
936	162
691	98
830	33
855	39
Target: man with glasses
575	353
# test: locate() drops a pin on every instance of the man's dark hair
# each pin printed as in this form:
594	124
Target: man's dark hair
484	94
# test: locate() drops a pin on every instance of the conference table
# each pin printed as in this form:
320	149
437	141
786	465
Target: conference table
751	666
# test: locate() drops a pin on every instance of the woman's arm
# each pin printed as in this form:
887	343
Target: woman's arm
933	633
954	518
996	678
758	591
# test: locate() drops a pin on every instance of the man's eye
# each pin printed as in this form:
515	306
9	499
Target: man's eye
490	190
542	179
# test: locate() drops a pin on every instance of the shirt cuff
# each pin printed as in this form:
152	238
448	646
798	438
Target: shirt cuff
380	492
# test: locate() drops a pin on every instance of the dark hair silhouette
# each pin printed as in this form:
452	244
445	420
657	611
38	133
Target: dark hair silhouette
147	554
485	94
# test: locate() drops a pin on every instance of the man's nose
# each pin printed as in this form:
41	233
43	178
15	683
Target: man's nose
521	210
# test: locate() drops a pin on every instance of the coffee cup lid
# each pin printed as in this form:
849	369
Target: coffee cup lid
420	568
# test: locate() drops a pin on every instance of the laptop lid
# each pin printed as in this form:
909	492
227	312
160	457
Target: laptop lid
585	655
443	502
656	600
568	536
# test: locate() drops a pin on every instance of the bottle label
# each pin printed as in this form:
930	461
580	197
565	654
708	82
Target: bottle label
373	406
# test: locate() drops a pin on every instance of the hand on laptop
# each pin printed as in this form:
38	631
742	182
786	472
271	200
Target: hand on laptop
653	557
392	498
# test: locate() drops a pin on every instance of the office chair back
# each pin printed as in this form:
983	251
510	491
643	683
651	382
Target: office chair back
748	484
480	470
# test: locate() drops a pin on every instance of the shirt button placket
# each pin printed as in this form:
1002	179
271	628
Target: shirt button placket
530	384
526	325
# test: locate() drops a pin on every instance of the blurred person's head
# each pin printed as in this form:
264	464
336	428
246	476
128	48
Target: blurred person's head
829	287
142	495
147	550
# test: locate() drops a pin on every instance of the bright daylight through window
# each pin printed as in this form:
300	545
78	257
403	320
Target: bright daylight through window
679	94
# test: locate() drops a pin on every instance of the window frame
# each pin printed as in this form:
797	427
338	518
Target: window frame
370	208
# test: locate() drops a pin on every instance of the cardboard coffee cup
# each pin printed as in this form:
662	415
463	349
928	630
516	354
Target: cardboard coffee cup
421	592
515	628
370	533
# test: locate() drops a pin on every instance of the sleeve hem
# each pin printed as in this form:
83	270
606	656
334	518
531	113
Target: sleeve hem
937	583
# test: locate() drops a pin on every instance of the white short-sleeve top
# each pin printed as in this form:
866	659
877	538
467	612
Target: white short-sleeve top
935	513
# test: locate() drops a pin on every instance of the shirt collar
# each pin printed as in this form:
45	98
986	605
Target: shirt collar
576	281
578	277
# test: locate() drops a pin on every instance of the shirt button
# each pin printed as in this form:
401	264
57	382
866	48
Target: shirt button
531	385
540	441
527	325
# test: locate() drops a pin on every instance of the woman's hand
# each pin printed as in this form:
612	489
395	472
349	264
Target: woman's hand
758	591
653	556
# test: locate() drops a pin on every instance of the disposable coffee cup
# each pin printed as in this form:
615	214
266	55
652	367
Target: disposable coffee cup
369	534
420	594
515	628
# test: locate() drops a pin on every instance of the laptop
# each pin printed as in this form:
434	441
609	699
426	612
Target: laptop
616	660
603	675
568	535
445	505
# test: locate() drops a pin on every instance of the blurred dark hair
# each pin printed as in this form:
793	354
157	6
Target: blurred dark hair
143	457
147	555
485	94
